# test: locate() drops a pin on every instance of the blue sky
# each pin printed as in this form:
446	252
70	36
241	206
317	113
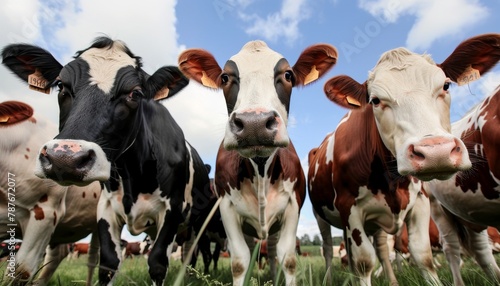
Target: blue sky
158	30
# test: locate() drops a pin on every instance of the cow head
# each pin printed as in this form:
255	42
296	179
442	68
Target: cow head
410	102
101	100
257	84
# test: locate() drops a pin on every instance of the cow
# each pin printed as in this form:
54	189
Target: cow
466	204
45	215
367	175
258	173
113	129
135	248
78	248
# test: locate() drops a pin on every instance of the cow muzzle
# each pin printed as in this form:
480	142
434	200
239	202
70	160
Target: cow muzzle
72	162
438	157
255	133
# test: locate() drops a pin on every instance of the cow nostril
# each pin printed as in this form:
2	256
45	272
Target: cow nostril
45	161
415	154
271	123
86	160
238	124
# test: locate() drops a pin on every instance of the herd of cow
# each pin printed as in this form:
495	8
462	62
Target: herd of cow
394	159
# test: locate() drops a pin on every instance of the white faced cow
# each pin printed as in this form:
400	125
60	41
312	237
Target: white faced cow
38	211
366	176
465	205
110	122
258	172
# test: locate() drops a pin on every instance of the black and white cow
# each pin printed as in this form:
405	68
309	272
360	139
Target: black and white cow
113	130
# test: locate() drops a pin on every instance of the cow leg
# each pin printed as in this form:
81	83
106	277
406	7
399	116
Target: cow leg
326	235
286	243
419	241
382	249
158	258
216	255
360	250
240	254
449	239
109	227
204	248
37	233
478	245
53	257
272	242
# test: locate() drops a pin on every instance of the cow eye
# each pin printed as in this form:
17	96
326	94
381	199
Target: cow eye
224	78
59	85
375	101
134	95
288	76
446	85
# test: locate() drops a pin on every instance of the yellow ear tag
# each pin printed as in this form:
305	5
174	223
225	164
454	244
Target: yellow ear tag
37	82
312	76
162	94
469	75
208	82
352	101
4	119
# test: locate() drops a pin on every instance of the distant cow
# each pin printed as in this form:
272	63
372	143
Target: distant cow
258	173
136	248
78	248
114	130
366	176
45	215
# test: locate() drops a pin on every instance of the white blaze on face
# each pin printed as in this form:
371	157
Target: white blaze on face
412	114
256	64
413	104
105	63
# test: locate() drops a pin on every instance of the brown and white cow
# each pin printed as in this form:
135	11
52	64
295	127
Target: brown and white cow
38	211
468	203
366	176
258	173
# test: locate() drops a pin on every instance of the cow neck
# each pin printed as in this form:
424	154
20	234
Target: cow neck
363	150
261	165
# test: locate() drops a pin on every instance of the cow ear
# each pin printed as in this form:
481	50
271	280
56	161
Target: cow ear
166	82
201	66
472	58
346	92
314	62
32	64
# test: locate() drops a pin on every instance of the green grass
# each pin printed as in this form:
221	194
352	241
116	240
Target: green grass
310	272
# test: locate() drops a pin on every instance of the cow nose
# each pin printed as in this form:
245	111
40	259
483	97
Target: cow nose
66	161
438	155
255	128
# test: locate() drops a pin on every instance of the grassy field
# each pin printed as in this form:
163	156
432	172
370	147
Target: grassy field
311	271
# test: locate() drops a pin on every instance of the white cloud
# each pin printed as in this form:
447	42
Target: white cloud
281	24
433	19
